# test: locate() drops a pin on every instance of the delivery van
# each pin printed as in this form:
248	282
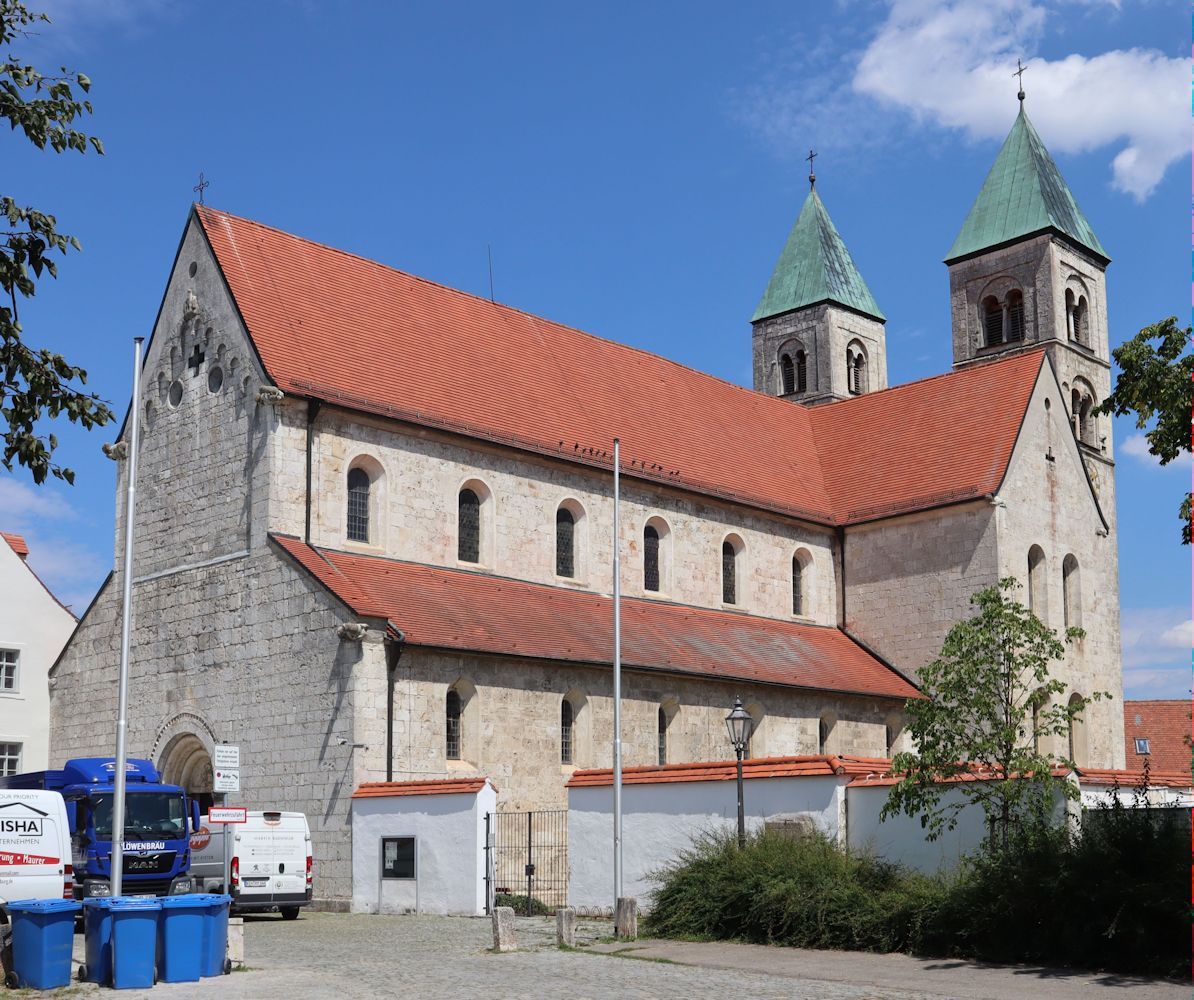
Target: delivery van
271	862
35	846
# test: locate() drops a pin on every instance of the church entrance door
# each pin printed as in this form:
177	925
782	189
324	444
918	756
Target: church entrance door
186	762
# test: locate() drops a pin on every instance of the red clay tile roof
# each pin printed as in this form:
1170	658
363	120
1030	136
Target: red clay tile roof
1166	726
455	609
1127	778
726	770
17	543
339	328
441	786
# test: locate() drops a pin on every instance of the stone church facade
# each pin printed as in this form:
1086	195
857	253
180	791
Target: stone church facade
360	560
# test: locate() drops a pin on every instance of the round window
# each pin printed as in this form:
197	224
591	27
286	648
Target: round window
175	393
215	378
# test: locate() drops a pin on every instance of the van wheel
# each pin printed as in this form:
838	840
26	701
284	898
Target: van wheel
11	980
227	966
289	912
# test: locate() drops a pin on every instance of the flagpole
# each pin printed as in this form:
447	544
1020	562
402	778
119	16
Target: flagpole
617	685
126	613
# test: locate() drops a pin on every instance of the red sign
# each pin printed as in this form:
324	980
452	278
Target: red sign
9	858
200	838
227	814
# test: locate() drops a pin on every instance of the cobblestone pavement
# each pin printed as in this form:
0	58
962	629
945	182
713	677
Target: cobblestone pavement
434	958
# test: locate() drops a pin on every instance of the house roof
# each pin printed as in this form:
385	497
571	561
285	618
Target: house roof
17	543
462	610
814	267
338	328
1024	194
445	786
1166	726
726	770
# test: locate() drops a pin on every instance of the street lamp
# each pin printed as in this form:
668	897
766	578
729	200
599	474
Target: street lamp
739	724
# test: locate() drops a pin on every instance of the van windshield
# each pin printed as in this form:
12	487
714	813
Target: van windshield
146	815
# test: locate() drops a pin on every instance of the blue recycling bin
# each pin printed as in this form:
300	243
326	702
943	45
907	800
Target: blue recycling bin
134	941
97	939
43	935
180	938
215	933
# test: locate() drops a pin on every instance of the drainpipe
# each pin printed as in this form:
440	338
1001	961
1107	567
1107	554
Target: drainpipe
313	406
394	649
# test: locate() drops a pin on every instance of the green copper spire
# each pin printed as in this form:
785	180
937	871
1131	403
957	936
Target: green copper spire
815	266
1024	194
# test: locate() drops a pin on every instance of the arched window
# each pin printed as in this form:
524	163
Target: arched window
801	371
358	505
1015	316
824	728
787	373
468	548
1071	590
992	321
454	729
1069	314
1081	322
1081	407
1038	583
1076	734
892	733
1038	702
797	586
565	543
661	735
729	572
566	722
650	558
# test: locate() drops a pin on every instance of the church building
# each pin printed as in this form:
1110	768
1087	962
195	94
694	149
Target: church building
374	521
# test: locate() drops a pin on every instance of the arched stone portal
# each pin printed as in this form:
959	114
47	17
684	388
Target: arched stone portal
185	761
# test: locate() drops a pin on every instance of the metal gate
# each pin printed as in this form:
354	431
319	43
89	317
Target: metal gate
526	860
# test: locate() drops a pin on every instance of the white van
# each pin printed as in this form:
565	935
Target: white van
35	846
271	861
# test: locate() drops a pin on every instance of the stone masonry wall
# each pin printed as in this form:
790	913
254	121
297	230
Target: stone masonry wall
244	652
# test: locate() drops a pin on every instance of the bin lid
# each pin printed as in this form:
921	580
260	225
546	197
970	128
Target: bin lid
98	902
135	903
211	898
192	901
43	906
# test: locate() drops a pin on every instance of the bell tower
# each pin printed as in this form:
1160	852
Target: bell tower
1028	271
817	333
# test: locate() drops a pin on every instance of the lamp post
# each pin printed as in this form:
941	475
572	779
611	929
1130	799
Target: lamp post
739	724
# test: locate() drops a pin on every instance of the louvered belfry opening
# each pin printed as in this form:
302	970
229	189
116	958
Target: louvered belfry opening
1015	316
469	543
358	505
650	558
565	543
801	372
787	374
992	321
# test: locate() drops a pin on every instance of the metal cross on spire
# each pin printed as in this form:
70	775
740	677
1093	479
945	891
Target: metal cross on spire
1020	68
812	178
203	183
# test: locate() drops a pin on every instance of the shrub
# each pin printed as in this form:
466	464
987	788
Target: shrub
519	903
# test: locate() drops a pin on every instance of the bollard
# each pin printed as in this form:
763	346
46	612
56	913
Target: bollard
503	929
626	918
566	927
236	941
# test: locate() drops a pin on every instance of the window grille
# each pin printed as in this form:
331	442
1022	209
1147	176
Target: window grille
662	731
797	587
992	322
469	544
566	720
9	667
729	566
454	726
650	558
1015	317
801	372
1142	745
10	759
788	373
565	543
358	505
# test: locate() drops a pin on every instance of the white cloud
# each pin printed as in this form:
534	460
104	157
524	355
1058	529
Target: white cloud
1136	446
949	63
1156	651
21	504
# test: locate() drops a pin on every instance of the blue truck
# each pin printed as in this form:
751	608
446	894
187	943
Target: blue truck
158	822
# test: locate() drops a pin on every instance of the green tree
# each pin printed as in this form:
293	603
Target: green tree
1155	384
36	382
990	707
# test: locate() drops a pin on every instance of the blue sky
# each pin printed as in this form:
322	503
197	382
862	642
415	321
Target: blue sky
635	168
